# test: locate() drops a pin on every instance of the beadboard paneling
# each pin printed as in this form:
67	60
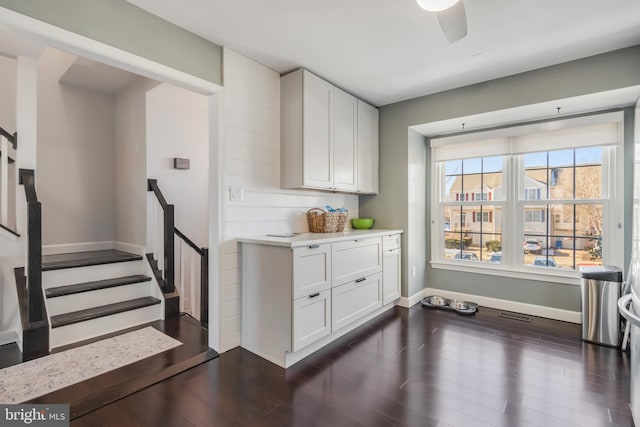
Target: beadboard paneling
251	111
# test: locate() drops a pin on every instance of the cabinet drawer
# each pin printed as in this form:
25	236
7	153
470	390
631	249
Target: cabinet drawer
390	242
311	319
355	259
354	300
311	270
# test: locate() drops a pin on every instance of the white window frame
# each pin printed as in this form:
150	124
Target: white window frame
512	261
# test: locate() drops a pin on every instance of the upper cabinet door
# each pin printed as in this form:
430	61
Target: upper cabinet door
317	132
367	148
345	141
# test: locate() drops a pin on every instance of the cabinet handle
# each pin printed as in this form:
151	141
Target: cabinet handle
314	246
317	294
361	279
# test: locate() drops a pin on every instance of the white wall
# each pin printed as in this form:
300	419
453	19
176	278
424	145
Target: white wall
417	196
131	163
76	157
8	93
251	151
178	126
8	122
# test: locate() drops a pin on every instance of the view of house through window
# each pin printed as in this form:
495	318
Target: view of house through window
563	223
560	204
473	212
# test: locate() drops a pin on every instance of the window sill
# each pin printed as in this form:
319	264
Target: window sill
537	274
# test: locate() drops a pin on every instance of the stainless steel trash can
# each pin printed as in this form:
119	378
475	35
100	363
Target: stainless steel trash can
600	288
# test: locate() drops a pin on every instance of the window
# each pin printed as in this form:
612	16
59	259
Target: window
482	216
534	215
482	235
532	193
535	200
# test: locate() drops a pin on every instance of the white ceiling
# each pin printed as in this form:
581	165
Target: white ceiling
386	51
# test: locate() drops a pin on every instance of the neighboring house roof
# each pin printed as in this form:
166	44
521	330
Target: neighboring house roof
474	182
535	178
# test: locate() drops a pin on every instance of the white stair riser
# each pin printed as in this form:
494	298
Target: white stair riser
103	325
70	276
83	300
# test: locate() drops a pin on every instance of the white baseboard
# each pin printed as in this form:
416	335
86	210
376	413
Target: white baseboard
8	337
77	247
413	299
130	247
518	307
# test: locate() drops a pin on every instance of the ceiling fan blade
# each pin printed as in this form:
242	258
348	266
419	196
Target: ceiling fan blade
453	22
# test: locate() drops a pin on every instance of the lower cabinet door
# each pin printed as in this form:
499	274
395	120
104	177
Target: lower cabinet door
311	319
390	276
355	300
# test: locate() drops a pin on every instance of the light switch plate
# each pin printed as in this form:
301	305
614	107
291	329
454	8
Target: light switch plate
235	194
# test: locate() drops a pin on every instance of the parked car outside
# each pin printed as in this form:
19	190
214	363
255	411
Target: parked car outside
496	257
466	255
531	245
545	262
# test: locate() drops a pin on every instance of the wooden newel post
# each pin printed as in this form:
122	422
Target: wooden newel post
34	269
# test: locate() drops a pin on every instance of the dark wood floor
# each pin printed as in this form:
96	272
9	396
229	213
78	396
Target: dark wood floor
94	393
418	367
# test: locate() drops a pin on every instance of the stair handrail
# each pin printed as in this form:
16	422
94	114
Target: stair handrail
167	263
11	137
204	275
34	246
7	201
169	255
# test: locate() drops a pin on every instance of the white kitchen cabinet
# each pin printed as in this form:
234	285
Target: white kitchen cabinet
321	145
355	259
391	275
345	141
391	268
367	148
302	292
351	301
317	138
311	270
311	319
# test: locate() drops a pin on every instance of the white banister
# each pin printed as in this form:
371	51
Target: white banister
192	288
181	279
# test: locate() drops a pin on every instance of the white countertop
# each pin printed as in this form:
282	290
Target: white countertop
304	239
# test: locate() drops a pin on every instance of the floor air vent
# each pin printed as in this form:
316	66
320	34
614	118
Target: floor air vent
515	316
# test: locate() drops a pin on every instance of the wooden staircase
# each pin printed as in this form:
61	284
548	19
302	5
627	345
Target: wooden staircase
93	293
71	297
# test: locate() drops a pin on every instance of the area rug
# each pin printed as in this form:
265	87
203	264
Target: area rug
26	381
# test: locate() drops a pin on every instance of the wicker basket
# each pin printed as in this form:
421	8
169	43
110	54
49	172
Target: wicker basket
326	222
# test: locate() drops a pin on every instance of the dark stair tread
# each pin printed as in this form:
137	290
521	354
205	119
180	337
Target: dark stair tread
85	259
77	288
101	311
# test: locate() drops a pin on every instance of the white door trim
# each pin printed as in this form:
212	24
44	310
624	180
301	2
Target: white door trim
59	38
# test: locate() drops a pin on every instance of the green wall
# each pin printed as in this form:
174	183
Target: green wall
127	27
393	207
